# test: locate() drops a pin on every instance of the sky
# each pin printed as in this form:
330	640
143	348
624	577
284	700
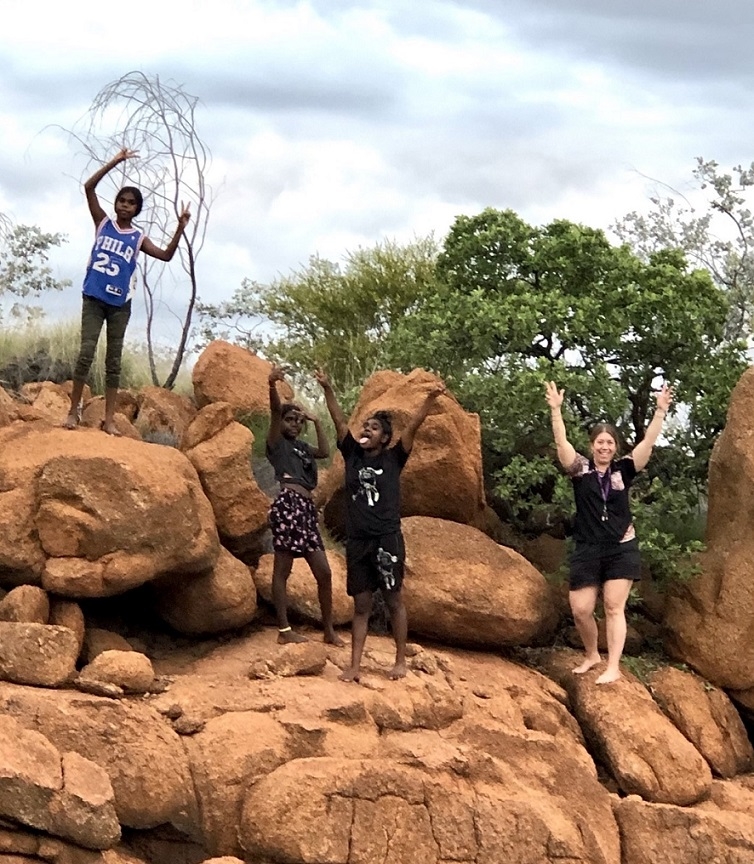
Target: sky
334	125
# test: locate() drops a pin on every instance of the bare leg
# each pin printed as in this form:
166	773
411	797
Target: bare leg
281	570
614	595
108	424
399	624
320	567
74	414
583	601
362	606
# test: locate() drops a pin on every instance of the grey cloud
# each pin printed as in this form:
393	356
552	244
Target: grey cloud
691	39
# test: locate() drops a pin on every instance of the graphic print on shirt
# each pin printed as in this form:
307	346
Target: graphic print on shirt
368	485
385	563
304	455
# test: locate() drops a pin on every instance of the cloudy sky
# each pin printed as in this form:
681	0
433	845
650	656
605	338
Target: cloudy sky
336	123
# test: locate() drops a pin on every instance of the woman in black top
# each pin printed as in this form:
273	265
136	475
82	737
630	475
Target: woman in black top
375	555
293	516
606	552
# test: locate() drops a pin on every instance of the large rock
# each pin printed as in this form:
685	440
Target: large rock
708	618
67	796
229	373
707	717
462	587
89	515
40	654
163	415
302	588
143	757
130	670
27	604
223	598
231	753
341	810
223	462
443	477
654	833
640	746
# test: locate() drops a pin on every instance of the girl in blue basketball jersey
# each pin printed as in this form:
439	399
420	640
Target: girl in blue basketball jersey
108	285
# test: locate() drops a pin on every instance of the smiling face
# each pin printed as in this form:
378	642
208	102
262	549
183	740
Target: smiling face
292	423
604	448
373	437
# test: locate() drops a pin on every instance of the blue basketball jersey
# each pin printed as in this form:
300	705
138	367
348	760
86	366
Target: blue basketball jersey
109	273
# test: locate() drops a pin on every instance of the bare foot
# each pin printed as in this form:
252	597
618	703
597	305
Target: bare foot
398	671
350	675
587	665
72	420
110	428
332	638
608	676
290	638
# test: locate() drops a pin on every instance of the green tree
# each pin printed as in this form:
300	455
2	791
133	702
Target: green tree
329	315
24	268
516	305
718	236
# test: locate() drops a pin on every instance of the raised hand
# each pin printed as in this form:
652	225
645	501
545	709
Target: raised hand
124	154
665	398
276	374
322	379
553	396
185	215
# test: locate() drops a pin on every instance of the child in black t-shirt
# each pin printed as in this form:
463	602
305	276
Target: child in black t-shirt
293	516
375	554
605	553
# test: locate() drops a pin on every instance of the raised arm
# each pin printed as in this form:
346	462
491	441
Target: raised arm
276	415
166	254
408	434
90	186
566	451
643	449
336	412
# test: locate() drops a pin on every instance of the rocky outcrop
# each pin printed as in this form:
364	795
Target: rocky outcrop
88	516
707	717
647	756
229	373
462	587
708	621
64	795
163	415
221	455
223	598
142	756
39	654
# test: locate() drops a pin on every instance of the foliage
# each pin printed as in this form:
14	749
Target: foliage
30	351
24	271
718	237
157	119
516	305
329	315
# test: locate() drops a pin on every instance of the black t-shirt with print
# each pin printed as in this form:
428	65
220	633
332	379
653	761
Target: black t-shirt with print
293	461
592	533
373	504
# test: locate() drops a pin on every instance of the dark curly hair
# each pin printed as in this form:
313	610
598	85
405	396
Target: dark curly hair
385	419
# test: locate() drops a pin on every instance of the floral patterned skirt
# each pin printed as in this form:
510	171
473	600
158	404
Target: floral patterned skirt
293	520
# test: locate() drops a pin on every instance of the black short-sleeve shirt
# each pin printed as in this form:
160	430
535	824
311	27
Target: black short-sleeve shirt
373	505
293	461
591	531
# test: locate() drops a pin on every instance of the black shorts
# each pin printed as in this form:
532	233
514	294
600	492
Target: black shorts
375	562
621	562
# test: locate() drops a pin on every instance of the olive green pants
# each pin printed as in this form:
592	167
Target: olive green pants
95	313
